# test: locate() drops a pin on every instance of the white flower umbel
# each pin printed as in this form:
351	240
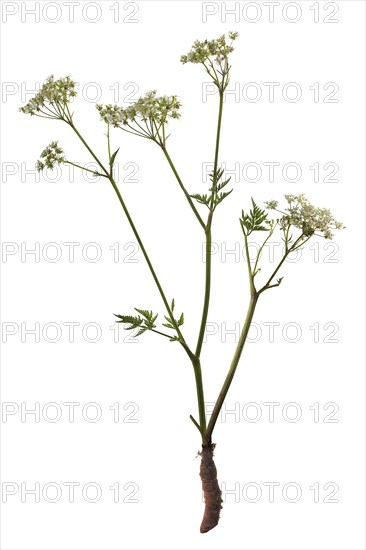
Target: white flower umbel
51	156
301	214
214	56
52	101
147	117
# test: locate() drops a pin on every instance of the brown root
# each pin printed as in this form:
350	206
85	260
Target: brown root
211	489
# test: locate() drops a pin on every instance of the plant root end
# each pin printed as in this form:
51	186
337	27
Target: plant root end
211	489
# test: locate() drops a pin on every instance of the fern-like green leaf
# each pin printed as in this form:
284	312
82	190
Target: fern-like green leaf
222	196
254	220
202	199
144	312
215	197
223	184
130	320
144	323
169	323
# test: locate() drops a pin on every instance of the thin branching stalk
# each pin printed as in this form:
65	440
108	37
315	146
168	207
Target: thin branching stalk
234	364
179	180
138	238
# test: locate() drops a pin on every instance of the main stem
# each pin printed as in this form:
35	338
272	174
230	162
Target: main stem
207	228
200	395
198	372
208	233
234	364
206	301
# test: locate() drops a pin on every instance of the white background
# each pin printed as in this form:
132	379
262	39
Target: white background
158	452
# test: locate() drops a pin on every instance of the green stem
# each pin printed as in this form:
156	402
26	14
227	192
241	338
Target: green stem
86	169
200	395
109	144
162	333
250	271
218	132
273	274
206	302
133	227
219	120
261	249
89	149
143	250
202	223
288	251
204	438
234	364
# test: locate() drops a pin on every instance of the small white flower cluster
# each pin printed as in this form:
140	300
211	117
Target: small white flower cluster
52	98
302	214
51	156
217	49
150	109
